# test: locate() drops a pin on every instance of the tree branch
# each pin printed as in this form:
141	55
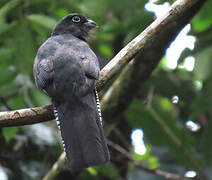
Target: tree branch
140	165
143	39
26	116
4	102
60	165
138	44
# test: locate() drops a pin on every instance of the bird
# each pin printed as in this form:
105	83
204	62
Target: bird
67	70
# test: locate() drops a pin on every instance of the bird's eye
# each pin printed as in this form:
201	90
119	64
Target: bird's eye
76	19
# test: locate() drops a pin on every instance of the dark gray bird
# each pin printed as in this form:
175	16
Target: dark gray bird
66	69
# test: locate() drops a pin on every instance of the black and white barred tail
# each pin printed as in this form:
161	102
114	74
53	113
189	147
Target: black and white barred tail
80	124
58	125
98	105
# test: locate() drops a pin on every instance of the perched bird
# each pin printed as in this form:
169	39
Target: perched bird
66	69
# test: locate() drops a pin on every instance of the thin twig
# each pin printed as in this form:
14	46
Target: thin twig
140	165
4	102
188	154
149	97
122	138
60	165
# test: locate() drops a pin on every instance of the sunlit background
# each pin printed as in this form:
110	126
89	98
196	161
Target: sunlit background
182	41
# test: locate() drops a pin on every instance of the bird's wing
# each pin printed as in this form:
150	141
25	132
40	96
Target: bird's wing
43	72
90	65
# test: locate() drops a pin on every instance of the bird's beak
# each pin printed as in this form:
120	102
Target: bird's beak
91	24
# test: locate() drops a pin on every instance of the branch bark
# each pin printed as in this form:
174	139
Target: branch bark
138	44
133	77
26	116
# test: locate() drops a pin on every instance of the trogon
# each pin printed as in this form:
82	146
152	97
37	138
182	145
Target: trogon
66	69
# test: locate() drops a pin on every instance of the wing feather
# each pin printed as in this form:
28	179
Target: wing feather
43	72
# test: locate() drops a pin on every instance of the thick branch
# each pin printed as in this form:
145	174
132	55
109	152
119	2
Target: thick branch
132	79
26	116
23	117
143	39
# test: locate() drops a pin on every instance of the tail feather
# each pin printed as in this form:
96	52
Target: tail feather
98	106
81	129
58	125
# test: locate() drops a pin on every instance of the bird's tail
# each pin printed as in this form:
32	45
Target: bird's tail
81	129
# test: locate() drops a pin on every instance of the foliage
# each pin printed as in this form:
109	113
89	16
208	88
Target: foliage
26	24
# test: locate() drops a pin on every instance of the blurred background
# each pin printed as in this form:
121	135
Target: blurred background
177	96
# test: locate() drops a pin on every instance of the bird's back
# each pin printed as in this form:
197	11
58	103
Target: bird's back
67	69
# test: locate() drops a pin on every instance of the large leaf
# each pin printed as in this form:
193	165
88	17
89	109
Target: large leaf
3	12
203	61
42	20
202	20
9	133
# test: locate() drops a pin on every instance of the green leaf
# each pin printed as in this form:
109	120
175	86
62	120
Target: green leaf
61	12
202	20
38	97
42	20
7	7
6	55
8	75
148	158
3	12
9	132
23	42
18	101
94	9
205	143
114	25
109	171
202	68
106	50
92	171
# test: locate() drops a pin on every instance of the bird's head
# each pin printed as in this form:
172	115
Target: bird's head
75	24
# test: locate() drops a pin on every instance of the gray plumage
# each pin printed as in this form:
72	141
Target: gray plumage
67	70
